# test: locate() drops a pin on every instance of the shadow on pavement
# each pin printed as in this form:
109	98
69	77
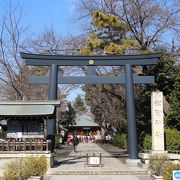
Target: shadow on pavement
120	154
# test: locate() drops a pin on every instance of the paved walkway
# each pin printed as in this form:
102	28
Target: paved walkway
75	164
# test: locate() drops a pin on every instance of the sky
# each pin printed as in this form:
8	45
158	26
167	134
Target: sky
38	14
56	13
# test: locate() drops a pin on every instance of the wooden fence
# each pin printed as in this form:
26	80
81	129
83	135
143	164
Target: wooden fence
24	145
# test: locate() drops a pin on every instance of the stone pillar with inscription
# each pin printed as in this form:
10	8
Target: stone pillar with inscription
157	122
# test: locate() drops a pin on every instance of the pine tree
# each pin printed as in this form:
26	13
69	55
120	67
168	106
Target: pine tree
68	117
79	104
109	35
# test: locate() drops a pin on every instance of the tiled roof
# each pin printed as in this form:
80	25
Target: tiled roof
85	120
26	108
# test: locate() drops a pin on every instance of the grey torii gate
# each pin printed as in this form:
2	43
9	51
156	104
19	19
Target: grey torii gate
92	61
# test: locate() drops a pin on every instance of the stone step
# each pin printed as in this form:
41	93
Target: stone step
97	172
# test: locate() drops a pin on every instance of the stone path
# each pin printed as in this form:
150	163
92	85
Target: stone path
75	164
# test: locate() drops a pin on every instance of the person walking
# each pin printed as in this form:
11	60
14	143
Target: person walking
75	142
68	140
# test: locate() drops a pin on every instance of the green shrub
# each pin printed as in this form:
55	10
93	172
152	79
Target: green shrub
157	162
20	169
15	170
120	140
3	135
147	142
167	170
36	165
57	141
172	142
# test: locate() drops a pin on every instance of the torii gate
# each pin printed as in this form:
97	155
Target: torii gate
92	61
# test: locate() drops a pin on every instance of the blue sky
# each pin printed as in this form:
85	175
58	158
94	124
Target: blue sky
38	14
45	13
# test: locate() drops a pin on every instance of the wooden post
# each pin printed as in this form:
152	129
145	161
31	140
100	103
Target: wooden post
8	145
87	159
100	158
36	145
41	145
14	145
25	145
30	145
47	146
2	146
19	148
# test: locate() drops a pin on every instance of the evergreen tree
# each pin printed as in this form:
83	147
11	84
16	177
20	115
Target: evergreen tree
109	35
79	105
173	117
68	117
167	73
167	77
168	81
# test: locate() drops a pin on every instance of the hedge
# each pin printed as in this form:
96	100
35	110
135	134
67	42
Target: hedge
22	168
172	142
120	140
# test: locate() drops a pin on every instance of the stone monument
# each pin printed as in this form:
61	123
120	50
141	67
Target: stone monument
157	122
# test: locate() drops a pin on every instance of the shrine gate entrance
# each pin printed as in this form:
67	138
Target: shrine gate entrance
128	78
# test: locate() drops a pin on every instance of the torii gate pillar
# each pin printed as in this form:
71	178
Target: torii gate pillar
130	108
52	95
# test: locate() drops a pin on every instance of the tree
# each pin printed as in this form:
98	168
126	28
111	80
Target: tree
109	35
14	73
79	105
68	117
52	43
173	117
107	104
10	42
167	73
148	20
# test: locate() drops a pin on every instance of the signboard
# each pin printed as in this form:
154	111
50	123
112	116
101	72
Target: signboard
32	136
14	135
176	175
21	135
94	160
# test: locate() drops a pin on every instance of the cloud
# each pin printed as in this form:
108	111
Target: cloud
72	6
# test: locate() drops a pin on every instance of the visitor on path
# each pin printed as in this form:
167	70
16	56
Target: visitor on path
68	140
75	142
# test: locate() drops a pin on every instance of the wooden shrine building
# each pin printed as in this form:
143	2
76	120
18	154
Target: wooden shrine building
26	121
84	126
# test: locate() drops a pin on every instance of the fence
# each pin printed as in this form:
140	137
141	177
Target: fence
25	145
